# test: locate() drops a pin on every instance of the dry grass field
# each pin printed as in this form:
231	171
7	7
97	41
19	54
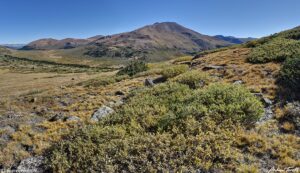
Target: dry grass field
15	84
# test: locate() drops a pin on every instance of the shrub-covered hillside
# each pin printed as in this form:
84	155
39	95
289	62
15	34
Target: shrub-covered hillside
191	122
282	47
233	109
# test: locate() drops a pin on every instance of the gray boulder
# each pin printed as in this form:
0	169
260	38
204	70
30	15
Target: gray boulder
238	82
265	100
32	164
57	117
72	118
101	112
149	82
215	67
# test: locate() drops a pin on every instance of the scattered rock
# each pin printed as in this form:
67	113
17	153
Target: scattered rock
149	82
57	117
159	80
293	114
32	164
101	112
119	93
265	100
13	115
6	132
72	118
8	129
198	56
116	103
268	114
238	82
210	67
259	95
40	111
33	100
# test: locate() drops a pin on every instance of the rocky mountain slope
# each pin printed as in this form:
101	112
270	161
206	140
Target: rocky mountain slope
166	36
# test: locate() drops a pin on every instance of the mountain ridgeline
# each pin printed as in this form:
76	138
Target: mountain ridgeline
234	40
159	40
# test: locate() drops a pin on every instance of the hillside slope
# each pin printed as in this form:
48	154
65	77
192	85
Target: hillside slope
49	43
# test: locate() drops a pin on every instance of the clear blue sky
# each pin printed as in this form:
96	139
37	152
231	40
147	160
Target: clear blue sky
22	21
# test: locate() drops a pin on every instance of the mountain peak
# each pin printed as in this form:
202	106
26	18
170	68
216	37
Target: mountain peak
166	26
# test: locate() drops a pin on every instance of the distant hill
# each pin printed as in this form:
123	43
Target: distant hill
49	43
4	50
13	46
159	37
234	40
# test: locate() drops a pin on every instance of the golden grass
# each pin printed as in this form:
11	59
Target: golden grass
257	77
13	84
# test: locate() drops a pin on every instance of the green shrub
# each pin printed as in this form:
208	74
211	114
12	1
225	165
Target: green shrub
169	127
290	77
194	79
133	68
276	50
175	70
291	34
230	102
113	150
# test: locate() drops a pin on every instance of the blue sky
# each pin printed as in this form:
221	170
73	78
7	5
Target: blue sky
22	21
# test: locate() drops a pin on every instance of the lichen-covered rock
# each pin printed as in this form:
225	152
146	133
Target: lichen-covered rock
101	112
32	164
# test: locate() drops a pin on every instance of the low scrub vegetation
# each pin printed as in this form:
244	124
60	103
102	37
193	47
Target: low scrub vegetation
290	77
194	79
277	50
291	34
133	68
169	127
173	71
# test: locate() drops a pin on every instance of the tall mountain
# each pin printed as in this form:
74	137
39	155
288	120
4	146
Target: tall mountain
166	36
234	40
49	43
